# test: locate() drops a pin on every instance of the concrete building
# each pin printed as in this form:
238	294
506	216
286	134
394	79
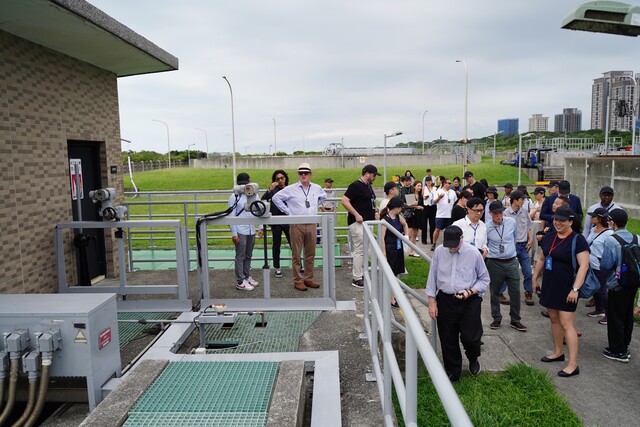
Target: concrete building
508	126
619	87
59	67
538	123
569	121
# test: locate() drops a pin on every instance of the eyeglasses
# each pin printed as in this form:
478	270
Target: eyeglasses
304	173
280	177
478	210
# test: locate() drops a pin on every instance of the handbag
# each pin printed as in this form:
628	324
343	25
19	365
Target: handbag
591	283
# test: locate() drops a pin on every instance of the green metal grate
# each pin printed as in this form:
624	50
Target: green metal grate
129	331
281	334
207	393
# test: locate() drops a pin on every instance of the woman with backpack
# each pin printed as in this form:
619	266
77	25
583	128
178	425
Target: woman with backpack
561	285
600	231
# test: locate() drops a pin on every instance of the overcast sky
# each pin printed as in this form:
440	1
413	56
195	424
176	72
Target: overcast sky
327	70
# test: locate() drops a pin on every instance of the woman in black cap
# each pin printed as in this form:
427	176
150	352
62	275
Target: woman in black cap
561	250
393	249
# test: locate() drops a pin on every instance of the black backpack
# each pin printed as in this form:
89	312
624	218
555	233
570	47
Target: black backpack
630	265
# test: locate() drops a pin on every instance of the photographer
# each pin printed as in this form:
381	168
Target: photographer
244	238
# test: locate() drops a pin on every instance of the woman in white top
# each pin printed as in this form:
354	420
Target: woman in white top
599	233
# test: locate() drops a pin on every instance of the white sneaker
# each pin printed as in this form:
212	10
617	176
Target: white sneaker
244	286
278	273
253	282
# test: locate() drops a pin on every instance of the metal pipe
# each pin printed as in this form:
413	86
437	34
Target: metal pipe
42	391
33	388
13	383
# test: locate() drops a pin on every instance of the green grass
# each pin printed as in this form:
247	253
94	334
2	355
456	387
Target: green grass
519	396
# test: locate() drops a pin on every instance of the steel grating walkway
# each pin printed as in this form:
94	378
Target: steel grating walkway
129	331
233	394
281	334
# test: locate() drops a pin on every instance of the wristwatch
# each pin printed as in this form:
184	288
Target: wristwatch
575	289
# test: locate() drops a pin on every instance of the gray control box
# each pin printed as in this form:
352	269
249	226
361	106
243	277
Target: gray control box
89	345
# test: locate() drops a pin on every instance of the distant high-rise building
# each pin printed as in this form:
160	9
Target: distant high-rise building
538	123
619	87
569	121
508	126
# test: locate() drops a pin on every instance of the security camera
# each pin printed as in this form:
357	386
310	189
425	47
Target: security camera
105	197
254	205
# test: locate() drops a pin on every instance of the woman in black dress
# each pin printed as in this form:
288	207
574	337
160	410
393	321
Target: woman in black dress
416	220
393	249
561	284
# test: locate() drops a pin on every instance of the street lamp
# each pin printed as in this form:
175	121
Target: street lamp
168	142
233	133
275	146
385	153
494	145
633	111
466	103
206	140
423	114
609	17
270	148
520	154
189	154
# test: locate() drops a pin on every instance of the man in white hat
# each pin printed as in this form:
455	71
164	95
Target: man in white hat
302	198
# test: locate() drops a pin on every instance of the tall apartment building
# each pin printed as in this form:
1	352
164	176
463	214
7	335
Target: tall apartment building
619	87
538	123
569	121
508	126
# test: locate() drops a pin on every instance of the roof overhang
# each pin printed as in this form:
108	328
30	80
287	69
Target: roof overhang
82	31
609	17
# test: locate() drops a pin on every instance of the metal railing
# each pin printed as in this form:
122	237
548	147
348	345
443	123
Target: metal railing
380	282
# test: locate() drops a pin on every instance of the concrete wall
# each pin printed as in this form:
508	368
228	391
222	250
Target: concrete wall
47	99
325	162
588	175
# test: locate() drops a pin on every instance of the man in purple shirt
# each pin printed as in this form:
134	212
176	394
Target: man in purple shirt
457	280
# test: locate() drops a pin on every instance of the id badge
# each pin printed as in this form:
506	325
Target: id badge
501	248
398	244
548	263
473	243
307	204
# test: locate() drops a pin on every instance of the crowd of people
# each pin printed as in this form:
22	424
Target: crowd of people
487	247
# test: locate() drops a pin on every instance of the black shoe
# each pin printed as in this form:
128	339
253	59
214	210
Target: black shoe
474	367
555	359
395	304
545	313
565	374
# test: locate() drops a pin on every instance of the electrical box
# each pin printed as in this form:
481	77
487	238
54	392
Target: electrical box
87	344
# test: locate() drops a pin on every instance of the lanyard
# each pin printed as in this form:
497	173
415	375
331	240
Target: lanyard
373	195
553	244
306	194
475	230
500	233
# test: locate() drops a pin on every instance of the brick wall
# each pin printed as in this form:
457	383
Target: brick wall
47	99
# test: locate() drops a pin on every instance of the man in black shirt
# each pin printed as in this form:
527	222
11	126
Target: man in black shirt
478	189
360	202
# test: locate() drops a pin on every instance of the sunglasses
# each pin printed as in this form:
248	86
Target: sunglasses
280	177
304	173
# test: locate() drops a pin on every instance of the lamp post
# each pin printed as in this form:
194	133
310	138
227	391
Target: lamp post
385	153
466	103
189	154
494	145
233	133
520	154
275	146
633	111
423	114
168	142
206	140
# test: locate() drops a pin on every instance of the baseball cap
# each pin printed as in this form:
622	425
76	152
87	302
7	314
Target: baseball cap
553	183
564	213
467	174
452	236
599	212
619	217
517	195
304	167
508	185
328	180
370	169
395	202
243	178
606	189
539	190
564	187
389	186
496	207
